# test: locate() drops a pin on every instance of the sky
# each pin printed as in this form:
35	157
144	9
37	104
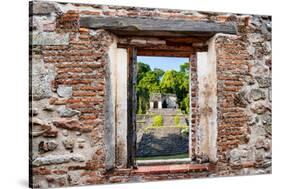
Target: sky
164	63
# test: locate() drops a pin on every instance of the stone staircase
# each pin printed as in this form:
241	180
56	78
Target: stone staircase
165	111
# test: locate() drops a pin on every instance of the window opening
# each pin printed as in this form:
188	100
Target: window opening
162	125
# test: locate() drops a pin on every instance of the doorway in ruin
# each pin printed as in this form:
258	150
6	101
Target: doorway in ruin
155	104
164	104
162	101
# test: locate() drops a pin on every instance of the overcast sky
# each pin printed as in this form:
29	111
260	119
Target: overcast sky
164	63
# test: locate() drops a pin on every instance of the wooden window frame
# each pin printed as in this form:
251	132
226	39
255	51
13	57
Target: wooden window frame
133	52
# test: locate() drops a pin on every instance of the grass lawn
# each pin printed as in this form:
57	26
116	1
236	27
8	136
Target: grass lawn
177	156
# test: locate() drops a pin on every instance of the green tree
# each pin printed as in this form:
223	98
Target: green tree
151	81
147	82
184	68
168	82
159	72
142	68
177	83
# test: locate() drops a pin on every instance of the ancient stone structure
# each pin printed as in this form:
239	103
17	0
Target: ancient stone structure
81	102
163	141
167	139
159	101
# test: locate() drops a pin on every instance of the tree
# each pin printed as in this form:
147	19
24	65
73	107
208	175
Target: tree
184	67
142	68
142	91
159	73
150	82
177	83
171	81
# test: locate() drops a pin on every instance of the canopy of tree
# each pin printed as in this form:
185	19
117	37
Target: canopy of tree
158	81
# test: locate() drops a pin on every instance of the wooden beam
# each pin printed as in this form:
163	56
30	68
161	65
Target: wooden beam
156	27
132	108
185	40
159	47
147	52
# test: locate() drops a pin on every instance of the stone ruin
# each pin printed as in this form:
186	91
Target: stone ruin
82	94
160	100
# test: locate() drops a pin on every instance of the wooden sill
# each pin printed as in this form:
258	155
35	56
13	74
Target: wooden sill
163	162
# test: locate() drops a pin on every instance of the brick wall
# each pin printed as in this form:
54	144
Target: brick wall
244	107
232	68
69	65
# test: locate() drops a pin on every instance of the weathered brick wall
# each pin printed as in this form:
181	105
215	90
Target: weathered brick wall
68	88
244	93
69	69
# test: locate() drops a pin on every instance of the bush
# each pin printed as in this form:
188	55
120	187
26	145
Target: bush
185	130
177	120
157	121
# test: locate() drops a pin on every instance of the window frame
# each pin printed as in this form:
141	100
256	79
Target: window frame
132	108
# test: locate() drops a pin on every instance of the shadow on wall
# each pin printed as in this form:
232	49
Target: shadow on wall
171	144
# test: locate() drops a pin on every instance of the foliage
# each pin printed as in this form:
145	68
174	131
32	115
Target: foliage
148	82
185	130
184	68
184	104
157	121
142	68
159	73
177	83
158	81
177	120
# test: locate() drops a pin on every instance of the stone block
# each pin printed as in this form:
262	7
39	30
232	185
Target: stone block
44	8
68	143
49	38
64	91
236	155
73	178
57	159
68	112
256	94
259	107
266	119
41	83
264	82
47	146
72	124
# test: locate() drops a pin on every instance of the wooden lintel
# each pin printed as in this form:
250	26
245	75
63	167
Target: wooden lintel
156	27
158	47
185	40
146	52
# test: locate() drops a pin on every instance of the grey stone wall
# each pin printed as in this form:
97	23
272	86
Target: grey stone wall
164	140
244	93
161	141
68	72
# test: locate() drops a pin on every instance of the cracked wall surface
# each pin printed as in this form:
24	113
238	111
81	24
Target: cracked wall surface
71	115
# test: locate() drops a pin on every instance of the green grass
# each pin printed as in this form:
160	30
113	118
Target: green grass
177	156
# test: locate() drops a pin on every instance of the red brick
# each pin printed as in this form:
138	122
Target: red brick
88	12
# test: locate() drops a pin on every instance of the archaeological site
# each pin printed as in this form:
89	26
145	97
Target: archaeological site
99	114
